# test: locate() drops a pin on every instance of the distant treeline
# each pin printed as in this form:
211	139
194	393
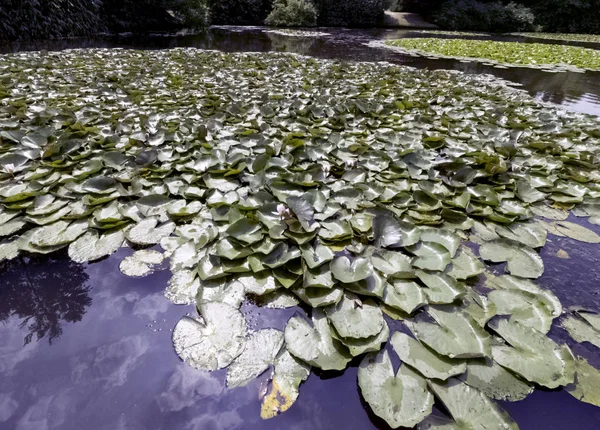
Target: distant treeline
558	16
43	19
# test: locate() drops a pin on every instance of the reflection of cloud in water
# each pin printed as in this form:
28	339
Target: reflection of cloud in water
8	406
224	421
151	306
12	350
113	362
186	386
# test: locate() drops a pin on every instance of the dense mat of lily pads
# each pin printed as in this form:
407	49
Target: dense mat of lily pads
538	55
297	33
567	37
356	190
451	33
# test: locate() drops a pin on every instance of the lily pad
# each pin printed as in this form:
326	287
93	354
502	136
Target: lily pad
213	340
401	399
314	344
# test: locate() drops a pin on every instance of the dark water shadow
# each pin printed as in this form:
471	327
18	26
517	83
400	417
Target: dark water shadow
44	293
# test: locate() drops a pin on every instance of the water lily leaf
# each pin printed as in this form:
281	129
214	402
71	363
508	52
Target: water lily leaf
279	300
358	347
479	308
469	407
441	288
354	318
304	211
183	257
586	387
317	255
335	230
348	270
534	310
314	343
12	226
390	233
261	349
213	340
9	249
232	293
182	287
454	334
522	260
430	256
318	278
429	364
59	233
289	374
529	234
245	231
148	232
532	355
319	297
140	263
443	237
548	212
583	327
401	399
259	284
577	232
465	265
495	381
393	264
404	295
91	246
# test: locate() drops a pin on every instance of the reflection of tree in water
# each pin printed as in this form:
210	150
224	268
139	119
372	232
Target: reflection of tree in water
44	291
299	45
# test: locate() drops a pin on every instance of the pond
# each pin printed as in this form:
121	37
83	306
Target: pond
85	346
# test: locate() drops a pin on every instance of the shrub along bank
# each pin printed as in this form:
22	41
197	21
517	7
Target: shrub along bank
565	16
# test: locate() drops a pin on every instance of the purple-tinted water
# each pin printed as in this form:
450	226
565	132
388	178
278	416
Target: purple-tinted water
85	347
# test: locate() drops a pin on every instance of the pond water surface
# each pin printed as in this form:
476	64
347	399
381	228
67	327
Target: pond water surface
85	347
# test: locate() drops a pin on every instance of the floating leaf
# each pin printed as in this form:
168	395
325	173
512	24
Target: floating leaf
213	340
91	246
495	381
261	349
314	343
289	374
522	260
348	270
586	387
354	318
454	334
147	231
140	263
429	364
469	407
533	355
401	399
577	232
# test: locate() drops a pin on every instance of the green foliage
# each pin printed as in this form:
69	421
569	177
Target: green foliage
292	13
568	16
241	12
475	15
34	19
350	13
